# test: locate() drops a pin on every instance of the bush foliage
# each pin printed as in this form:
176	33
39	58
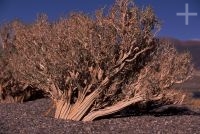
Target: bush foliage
92	67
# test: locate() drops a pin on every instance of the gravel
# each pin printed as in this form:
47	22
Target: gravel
28	118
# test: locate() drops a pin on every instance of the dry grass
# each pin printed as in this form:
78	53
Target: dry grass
192	90
191	101
194	103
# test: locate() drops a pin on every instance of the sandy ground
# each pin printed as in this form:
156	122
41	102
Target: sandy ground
28	118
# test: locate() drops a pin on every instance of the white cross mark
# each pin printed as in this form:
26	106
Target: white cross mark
186	14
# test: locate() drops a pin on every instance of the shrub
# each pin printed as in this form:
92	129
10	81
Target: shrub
11	89
96	67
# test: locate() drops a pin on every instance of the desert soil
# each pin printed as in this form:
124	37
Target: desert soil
28	118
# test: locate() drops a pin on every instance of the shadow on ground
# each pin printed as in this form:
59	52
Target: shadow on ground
167	110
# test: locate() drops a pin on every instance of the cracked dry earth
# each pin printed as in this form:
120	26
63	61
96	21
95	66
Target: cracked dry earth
28	118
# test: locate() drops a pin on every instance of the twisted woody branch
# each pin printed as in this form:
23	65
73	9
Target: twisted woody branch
96	67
